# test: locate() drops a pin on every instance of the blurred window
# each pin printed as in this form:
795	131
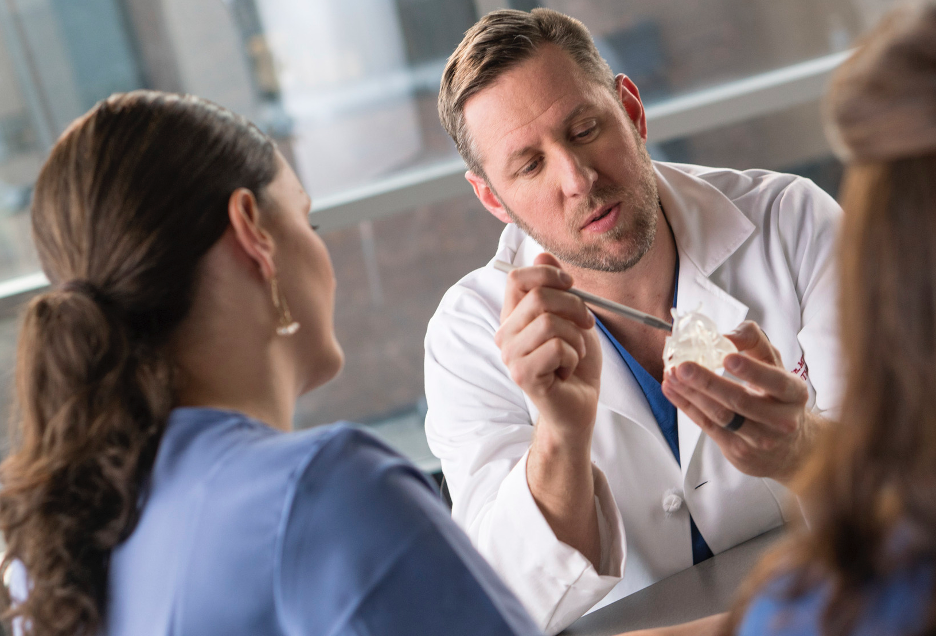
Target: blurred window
348	89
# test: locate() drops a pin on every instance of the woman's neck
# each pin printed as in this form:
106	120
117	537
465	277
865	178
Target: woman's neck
227	355
261	397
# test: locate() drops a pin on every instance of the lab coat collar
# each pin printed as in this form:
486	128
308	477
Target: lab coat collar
621	393
708	228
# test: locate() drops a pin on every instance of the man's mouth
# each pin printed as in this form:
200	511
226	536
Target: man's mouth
603	219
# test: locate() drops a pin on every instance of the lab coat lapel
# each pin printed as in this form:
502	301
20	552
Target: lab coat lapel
621	394
695	290
708	228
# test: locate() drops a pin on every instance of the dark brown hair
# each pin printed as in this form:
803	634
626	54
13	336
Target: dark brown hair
500	41
870	488
132	196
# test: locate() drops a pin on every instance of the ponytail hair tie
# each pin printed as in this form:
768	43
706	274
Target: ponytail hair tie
87	288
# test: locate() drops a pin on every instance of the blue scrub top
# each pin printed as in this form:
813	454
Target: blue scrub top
249	530
896	606
665	414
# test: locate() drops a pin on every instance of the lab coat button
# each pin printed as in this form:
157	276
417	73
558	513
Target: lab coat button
672	501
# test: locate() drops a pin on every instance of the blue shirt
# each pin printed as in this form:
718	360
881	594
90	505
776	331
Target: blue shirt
249	530
897	606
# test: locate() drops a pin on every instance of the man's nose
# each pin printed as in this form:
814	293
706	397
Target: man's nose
576	175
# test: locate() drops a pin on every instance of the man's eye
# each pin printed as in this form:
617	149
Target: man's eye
585	134
531	167
314	227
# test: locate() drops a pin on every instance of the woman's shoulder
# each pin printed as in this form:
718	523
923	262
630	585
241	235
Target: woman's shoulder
229	445
228	470
367	542
336	460
355	532
355	480
335	465
225	491
892	605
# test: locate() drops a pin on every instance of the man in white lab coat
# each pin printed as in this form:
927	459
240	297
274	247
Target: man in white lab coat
567	462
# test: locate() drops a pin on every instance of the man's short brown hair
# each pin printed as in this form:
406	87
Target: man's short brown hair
500	41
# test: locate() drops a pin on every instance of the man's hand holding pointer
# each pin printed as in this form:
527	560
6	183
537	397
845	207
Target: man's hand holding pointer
548	342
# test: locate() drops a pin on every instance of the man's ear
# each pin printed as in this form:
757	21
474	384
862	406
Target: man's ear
487	197
629	95
244	214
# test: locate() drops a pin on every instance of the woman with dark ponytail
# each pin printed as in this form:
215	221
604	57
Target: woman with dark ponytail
151	488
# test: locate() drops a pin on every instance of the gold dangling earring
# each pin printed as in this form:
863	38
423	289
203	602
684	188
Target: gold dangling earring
287	326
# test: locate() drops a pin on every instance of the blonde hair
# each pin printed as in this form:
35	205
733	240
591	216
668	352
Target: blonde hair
499	42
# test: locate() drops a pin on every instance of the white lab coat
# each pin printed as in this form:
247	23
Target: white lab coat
752	245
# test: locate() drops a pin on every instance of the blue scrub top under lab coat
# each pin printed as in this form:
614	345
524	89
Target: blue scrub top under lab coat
249	530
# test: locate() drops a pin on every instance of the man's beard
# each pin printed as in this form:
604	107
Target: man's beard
639	203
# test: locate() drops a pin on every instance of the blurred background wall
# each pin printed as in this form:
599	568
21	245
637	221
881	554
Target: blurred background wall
348	89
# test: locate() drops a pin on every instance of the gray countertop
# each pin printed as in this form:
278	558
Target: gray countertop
702	590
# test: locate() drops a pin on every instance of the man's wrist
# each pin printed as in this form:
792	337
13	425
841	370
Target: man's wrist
559	464
562	443
813	424
562	482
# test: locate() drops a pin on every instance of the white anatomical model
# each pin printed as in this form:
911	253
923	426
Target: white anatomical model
695	339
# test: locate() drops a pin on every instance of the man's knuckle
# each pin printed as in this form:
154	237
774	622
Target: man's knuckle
517	375
706	382
537	296
800	391
767	444
743	451
551	322
741	402
723	415
750	332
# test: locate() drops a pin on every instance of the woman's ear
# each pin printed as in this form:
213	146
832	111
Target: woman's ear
244	214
